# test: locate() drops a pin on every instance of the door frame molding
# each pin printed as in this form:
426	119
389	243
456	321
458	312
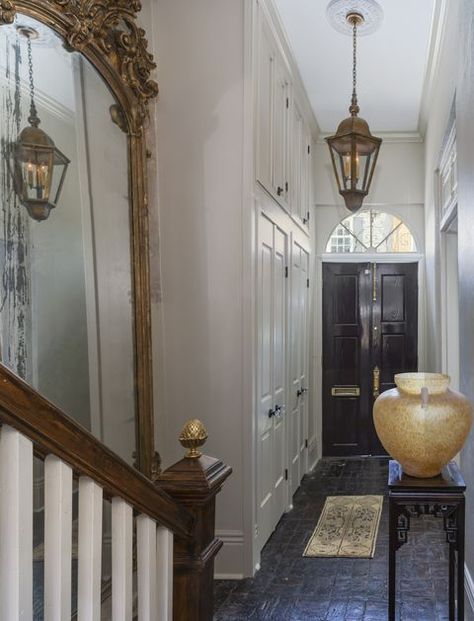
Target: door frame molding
317	361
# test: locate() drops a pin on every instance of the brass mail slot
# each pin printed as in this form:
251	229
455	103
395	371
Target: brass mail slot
345	391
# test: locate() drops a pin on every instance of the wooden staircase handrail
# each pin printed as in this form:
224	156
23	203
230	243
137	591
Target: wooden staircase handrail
52	431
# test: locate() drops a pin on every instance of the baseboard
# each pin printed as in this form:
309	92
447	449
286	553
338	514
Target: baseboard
218	576
469	590
229	563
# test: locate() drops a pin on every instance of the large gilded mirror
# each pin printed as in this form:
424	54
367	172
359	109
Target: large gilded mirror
74	292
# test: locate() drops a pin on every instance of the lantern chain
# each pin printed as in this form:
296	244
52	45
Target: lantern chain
33	119
354	57
354	109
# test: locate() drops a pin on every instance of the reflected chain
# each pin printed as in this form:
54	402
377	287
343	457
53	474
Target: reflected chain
34	120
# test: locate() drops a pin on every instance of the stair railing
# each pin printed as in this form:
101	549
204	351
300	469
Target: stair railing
170	524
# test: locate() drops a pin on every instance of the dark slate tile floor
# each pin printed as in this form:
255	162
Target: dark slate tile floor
292	588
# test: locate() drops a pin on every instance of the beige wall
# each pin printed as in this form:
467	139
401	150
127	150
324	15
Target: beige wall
198	327
440	106
455	77
465	141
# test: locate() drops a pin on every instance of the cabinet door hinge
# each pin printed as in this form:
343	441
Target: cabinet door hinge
286	271
287	102
286	186
307	283
286	474
306	443
309	149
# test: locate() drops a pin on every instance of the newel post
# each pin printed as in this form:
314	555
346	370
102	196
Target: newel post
194	482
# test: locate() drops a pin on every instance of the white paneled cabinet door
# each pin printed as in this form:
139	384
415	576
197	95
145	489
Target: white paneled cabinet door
298	398
307	177
280	184
265	96
273	88
271	380
279	373
297	133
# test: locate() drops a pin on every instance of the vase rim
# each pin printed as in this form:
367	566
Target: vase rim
412	383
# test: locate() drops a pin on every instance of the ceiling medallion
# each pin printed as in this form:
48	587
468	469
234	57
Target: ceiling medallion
40	35
338	10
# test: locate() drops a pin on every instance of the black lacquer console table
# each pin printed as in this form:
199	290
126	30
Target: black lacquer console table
443	497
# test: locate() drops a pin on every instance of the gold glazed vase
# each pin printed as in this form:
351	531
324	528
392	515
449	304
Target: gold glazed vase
421	423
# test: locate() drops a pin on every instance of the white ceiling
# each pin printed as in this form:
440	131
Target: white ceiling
391	63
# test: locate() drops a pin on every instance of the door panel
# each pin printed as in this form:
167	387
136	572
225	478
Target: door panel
265	357
298	412
279	374
345	359
272	314
370	319
266	80
394	325
395	321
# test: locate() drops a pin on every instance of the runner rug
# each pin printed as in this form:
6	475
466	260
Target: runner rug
348	527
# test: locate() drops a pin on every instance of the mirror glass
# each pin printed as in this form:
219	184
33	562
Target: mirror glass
66	285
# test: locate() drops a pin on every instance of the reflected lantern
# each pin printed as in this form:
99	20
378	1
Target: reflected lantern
353	149
38	167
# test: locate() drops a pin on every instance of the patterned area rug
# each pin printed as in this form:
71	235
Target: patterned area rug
348	527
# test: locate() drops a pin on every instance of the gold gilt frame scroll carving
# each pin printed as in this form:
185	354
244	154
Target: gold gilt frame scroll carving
107	34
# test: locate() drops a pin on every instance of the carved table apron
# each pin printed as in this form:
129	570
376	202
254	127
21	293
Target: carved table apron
441	496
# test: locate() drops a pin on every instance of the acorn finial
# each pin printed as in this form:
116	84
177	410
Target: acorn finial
192	437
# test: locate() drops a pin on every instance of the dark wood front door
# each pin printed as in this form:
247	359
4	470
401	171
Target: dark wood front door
370	333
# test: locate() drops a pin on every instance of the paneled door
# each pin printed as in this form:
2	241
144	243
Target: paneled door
370	333
298	397
272	373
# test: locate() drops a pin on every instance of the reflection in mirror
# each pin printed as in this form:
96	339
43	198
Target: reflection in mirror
66	303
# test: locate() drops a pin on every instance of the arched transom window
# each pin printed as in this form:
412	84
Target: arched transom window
370	231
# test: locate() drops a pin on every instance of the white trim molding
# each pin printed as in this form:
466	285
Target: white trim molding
366	257
44	101
469	590
438	28
231	555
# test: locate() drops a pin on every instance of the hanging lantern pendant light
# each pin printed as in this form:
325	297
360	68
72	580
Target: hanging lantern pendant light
38	167
353	149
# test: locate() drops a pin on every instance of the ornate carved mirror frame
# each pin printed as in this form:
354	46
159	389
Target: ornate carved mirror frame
107	34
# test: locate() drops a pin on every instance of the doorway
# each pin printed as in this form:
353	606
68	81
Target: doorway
370	333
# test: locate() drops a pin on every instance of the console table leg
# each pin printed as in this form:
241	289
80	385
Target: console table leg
460	568
392	560
451	576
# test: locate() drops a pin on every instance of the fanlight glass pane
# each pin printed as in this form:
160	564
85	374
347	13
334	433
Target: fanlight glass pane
373	232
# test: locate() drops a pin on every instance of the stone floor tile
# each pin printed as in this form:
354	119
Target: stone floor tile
290	587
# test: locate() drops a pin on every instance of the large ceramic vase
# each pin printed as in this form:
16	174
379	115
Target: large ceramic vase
421	423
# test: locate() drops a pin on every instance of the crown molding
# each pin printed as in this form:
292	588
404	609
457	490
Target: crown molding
437	32
43	101
388	137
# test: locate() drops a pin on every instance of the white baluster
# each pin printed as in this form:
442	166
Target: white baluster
164	553
146	569
122	560
90	550
16	526
57	539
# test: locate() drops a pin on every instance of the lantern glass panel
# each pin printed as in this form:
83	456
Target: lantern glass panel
35	172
